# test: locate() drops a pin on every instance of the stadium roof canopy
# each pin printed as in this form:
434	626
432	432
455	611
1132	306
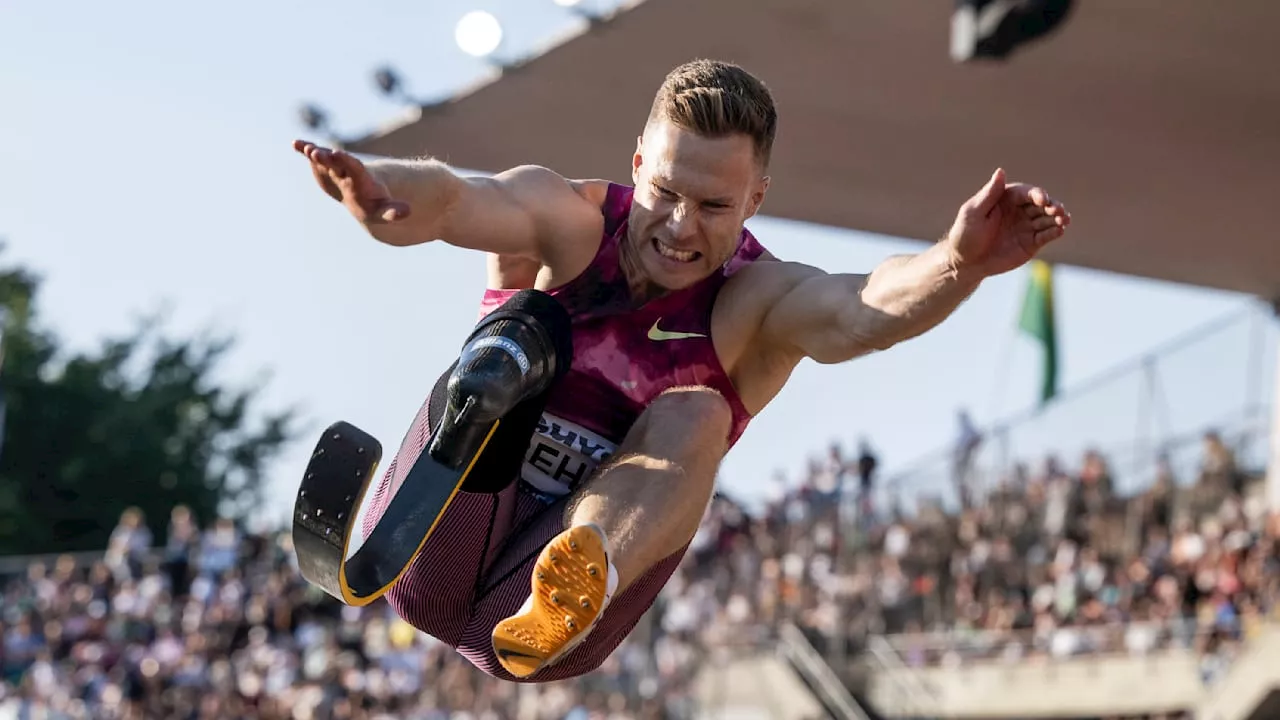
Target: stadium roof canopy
1156	121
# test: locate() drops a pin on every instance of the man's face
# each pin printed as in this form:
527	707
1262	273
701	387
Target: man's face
692	196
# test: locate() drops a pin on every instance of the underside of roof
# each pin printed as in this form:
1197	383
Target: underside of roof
1156	121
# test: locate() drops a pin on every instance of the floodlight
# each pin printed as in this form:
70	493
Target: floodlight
478	33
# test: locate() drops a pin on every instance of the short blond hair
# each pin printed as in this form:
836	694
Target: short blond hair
717	99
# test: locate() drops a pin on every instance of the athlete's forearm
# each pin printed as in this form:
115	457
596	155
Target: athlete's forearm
429	187
906	296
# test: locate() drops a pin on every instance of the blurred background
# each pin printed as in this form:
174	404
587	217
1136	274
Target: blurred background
1059	504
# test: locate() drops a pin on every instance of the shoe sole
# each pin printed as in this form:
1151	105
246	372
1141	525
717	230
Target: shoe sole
568	588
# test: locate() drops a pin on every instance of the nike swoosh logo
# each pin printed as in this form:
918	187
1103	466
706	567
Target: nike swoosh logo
504	653
657	334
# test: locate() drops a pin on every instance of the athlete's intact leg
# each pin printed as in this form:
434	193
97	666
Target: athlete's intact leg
538	525
634	516
650	500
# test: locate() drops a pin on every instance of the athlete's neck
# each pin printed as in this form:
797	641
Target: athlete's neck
642	288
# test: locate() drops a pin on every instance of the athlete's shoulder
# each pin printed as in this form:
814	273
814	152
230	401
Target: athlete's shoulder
594	191
535	182
749	294
565	215
768	276
608	202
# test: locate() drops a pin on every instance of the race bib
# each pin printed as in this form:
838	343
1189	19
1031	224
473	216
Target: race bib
562	455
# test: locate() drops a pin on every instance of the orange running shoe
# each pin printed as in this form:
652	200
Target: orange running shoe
572	584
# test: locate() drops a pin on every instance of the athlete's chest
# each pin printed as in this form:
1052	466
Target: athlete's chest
647	351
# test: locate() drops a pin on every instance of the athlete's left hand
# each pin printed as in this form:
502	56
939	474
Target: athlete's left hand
1003	226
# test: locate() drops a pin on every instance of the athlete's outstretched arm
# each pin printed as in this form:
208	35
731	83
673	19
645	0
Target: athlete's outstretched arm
405	202
833	318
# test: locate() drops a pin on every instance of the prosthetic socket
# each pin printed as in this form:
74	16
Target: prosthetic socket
512	356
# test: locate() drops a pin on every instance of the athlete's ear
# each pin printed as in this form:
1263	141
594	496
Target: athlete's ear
757	196
637	160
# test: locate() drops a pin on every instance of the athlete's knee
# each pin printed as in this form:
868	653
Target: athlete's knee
688	419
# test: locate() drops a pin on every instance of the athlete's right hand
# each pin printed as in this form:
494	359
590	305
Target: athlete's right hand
348	181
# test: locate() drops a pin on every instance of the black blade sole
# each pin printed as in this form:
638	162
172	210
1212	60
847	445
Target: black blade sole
340	471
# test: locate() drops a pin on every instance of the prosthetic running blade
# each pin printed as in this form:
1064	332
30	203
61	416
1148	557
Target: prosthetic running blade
513	355
338	476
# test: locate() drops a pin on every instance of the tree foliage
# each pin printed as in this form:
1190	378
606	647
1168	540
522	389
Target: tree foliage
138	422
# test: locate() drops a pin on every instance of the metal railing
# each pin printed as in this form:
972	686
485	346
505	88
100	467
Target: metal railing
1141	637
906	692
1157	404
800	653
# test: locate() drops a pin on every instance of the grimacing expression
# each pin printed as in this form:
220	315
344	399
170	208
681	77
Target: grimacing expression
692	195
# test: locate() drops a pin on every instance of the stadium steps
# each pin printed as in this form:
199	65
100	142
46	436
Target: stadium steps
1251	688
789	682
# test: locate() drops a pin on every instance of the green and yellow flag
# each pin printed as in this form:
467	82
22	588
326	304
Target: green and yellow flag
1037	321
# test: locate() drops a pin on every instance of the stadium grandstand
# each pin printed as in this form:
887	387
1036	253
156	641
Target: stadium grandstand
1102	584
1113	554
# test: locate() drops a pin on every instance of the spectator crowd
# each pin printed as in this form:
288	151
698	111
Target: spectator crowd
214	622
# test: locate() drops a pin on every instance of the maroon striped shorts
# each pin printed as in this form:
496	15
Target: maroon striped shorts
475	569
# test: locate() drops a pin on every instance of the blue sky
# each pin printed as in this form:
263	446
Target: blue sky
146	158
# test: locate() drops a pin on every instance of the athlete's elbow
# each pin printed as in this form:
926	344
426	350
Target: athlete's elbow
401	236
886	336
842	349
860	329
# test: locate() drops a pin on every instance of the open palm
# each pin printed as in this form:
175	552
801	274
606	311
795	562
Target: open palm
1004	225
347	180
